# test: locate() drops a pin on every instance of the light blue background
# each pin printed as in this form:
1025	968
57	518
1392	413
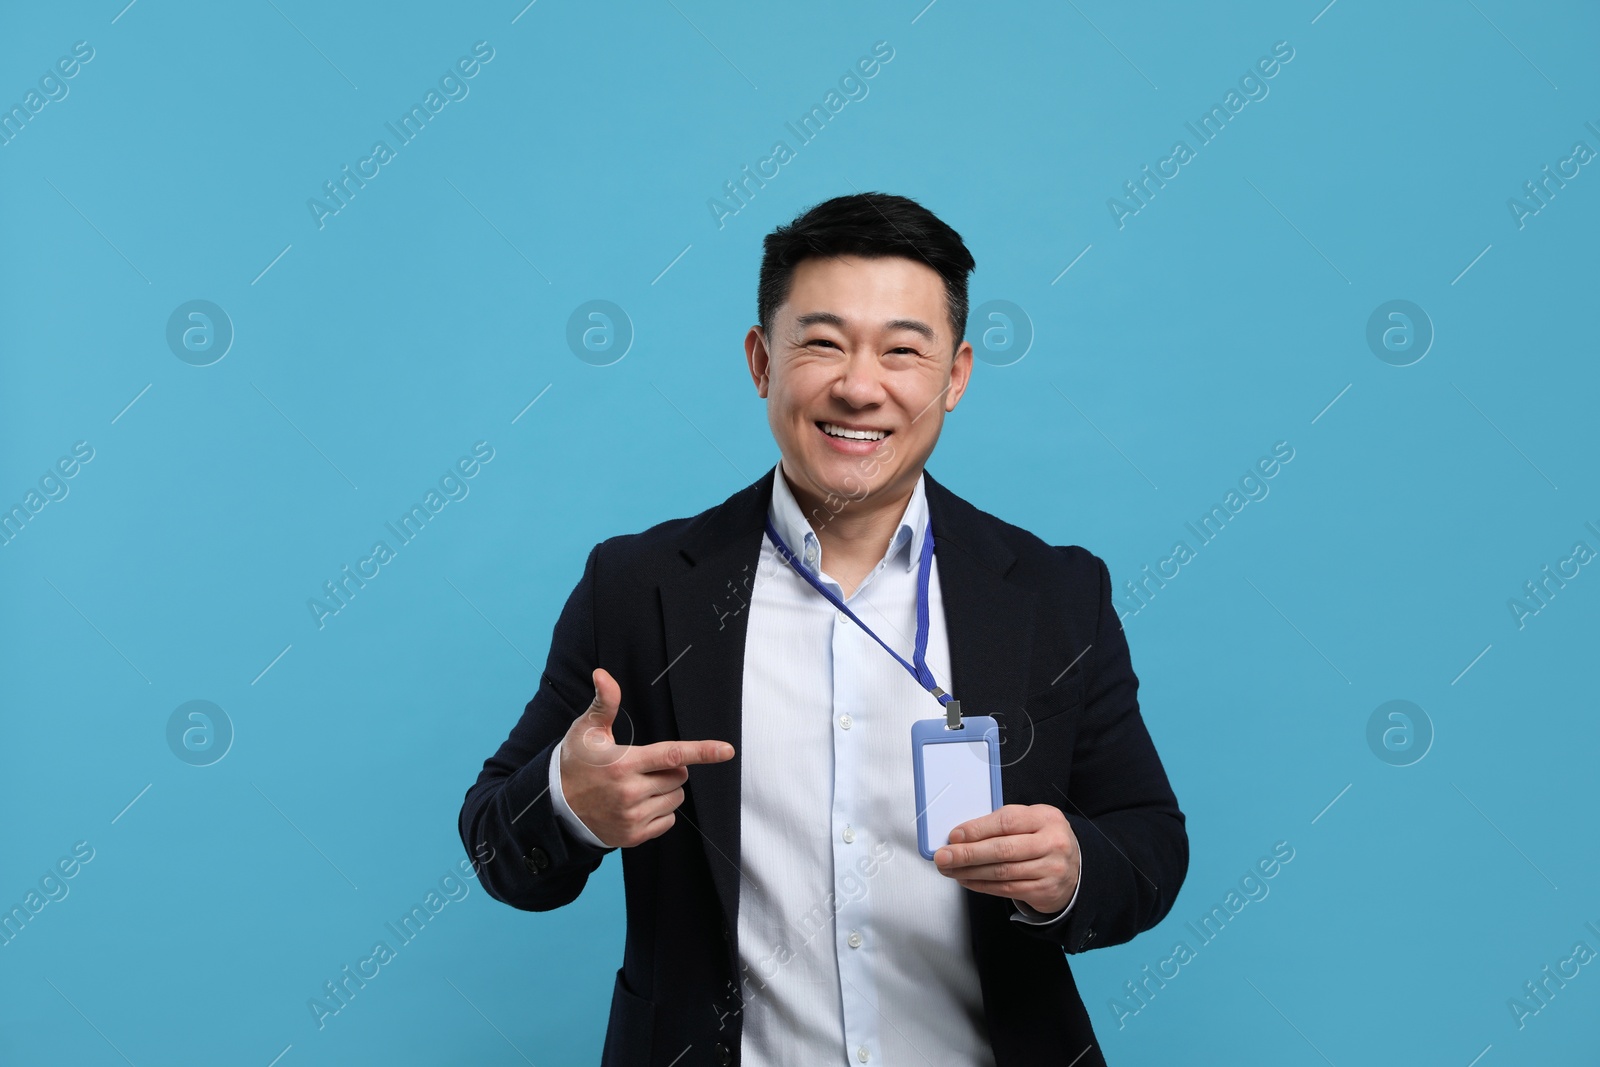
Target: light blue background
426	315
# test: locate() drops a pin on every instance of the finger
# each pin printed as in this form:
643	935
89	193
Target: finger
1035	870
1014	890
1008	819
1013	848
661	804
656	827
655	783
664	755
667	780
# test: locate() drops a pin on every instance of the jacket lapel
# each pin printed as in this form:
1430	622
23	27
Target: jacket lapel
705	617
986	617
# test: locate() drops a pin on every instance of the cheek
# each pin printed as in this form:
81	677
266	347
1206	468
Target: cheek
802	390
927	384
921	405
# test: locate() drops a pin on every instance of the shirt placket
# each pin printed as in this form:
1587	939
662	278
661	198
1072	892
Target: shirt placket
854	944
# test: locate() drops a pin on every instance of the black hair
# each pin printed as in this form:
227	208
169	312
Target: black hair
873	225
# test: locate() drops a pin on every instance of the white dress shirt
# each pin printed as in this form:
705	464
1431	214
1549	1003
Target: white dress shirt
854	949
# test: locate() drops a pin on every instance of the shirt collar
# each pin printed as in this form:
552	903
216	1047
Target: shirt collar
798	534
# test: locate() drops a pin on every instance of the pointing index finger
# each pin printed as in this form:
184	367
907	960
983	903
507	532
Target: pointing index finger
664	755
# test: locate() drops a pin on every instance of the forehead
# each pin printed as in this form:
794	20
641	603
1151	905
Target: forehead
866	291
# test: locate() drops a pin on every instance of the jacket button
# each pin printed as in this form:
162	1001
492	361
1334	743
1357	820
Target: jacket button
536	860
724	1054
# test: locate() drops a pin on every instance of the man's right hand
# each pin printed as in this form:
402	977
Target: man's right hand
625	794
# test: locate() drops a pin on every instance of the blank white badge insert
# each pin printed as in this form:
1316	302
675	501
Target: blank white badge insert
955	779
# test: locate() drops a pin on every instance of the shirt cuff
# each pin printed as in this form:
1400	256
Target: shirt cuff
1026	913
565	814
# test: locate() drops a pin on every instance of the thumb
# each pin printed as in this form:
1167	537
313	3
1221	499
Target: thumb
602	711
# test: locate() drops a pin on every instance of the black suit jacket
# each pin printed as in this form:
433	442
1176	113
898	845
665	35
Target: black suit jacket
1034	641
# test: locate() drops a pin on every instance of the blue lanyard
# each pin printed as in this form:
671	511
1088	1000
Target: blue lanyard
918	667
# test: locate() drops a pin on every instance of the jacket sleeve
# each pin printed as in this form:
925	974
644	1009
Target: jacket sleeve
1131	835
508	821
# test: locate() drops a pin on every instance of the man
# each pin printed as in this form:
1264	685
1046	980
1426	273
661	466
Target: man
709	710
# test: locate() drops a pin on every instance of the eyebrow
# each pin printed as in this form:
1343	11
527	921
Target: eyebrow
828	318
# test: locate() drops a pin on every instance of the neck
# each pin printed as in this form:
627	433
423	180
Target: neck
855	537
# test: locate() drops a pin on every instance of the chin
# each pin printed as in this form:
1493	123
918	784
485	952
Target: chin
859	480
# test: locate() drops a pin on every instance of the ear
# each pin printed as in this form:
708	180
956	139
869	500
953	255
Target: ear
756	354
960	375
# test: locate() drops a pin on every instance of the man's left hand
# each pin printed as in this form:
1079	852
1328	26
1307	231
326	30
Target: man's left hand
1027	852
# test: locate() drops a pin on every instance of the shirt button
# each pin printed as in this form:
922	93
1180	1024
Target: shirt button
845	722
862	1054
854	940
811	554
849	836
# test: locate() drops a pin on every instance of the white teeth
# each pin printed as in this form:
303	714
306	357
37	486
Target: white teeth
856	435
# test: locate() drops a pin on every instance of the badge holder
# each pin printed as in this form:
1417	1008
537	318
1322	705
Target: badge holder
956	764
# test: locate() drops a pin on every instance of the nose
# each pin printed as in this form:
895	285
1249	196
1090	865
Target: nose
860	382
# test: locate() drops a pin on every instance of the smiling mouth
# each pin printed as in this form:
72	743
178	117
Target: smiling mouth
844	433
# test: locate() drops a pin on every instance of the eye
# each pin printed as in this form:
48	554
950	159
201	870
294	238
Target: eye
820	341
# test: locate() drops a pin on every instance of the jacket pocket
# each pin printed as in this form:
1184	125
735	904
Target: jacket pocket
630	1030
1065	695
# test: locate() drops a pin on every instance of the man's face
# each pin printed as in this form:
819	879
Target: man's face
858	373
